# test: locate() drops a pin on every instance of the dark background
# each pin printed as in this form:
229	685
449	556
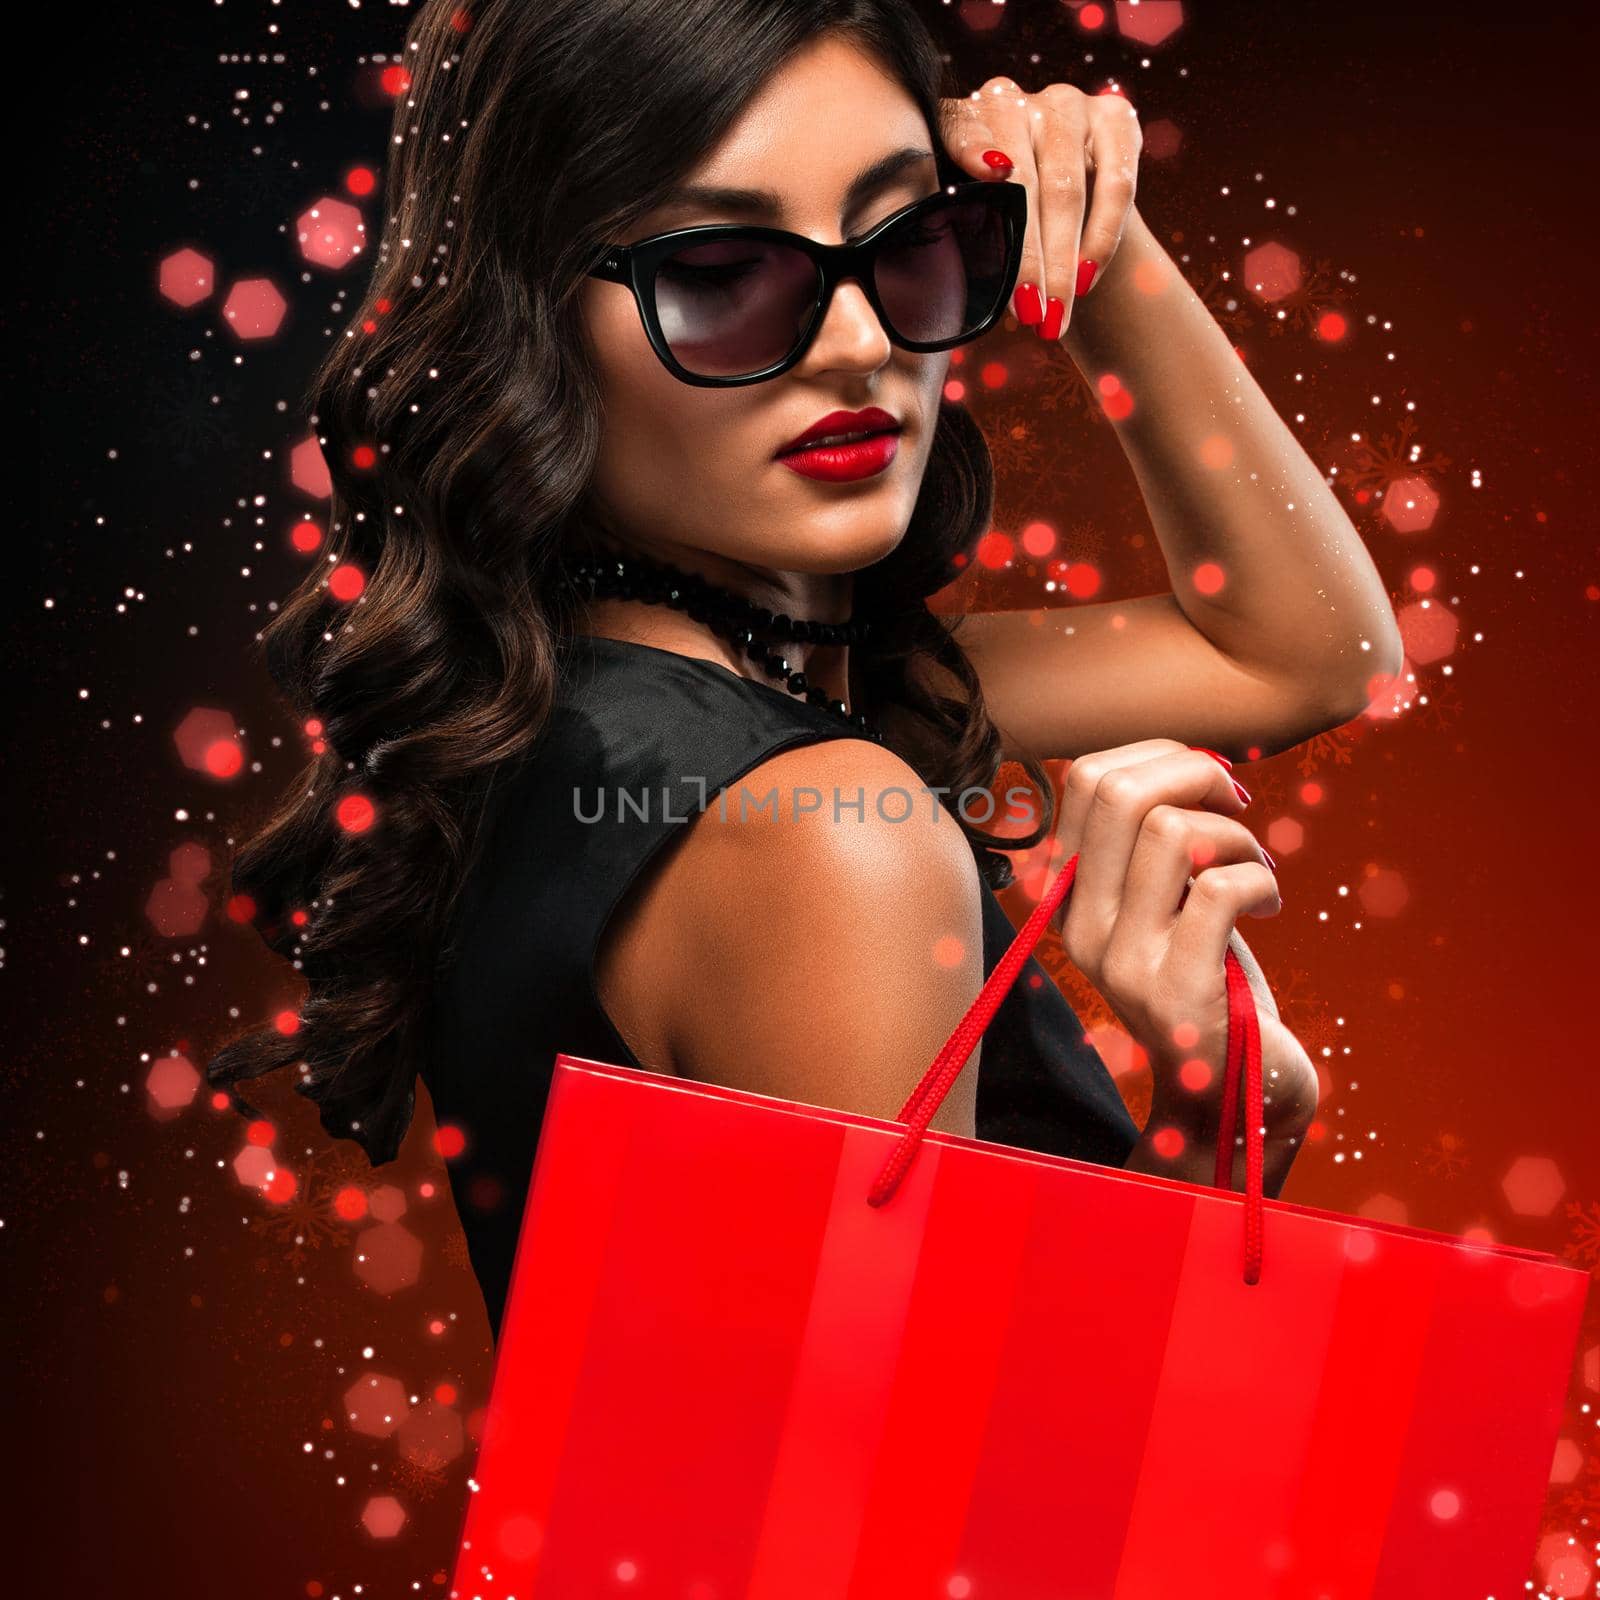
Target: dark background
179	1341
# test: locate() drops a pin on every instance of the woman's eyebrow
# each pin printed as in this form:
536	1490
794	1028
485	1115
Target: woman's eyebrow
767	206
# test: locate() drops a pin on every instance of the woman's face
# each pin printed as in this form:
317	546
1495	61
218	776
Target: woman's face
690	469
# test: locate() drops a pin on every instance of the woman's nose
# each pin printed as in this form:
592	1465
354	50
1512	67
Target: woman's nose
851	334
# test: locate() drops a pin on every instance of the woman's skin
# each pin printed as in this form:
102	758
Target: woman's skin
827	960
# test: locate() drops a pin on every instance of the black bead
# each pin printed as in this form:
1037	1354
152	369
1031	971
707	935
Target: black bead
817	695
797	683
840	707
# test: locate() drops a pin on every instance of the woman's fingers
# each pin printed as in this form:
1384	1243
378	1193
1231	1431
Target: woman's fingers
1083	778
1217	898
1175	844
1053	140
1111	820
997	116
1115	141
1059	141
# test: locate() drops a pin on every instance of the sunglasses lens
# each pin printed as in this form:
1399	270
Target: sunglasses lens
734	306
943	270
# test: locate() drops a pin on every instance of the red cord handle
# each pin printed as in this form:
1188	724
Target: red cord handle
1243	1063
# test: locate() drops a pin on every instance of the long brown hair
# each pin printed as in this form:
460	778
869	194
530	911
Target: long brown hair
460	419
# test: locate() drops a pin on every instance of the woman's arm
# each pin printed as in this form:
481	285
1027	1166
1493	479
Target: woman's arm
1288	644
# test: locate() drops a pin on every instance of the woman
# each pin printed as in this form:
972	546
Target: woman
607	582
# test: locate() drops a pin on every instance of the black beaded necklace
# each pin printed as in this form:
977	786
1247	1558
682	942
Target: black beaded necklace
740	621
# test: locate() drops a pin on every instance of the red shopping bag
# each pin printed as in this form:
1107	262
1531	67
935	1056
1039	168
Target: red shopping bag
758	1350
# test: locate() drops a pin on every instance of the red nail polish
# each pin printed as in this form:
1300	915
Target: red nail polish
1055	310
1268	854
999	160
1030	307
1086	272
1216	755
1243	793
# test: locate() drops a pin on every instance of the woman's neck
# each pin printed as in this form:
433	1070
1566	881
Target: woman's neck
814	597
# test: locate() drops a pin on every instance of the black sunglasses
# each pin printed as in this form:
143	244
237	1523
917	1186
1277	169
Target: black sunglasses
727	304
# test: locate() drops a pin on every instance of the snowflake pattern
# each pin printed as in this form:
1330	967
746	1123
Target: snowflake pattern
1445	1155
186	416
1337	745
1442	706
1302	308
1578	1501
1059	385
1585	1237
422	1475
1226	301
307	1220
148	957
1375	463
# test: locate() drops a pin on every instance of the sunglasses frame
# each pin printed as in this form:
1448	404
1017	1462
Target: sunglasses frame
635	265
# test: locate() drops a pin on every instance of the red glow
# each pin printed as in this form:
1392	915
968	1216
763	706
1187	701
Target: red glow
350	1204
395	80
1209	577
1195	1074
1082	580
281	1187
1038	539
1423	579
1311	794
287	1022
993	374
955	390
449	1141
1168	1143
346	582
1091	17
241	908
260	1132
1331	326
360	180
994	549
305	537
355	813
363	457
224	758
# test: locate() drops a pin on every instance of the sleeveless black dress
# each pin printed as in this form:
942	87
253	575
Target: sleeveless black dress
517	984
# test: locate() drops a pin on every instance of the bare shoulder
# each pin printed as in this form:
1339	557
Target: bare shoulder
819	934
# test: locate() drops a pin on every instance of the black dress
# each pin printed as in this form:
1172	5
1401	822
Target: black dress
666	731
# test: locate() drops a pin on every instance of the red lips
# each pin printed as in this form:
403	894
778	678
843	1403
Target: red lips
873	420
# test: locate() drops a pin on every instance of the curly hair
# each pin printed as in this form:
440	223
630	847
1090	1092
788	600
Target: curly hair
459	415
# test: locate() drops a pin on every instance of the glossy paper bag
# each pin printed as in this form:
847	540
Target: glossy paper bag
757	1350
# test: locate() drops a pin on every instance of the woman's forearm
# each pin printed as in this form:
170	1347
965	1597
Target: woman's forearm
1227	483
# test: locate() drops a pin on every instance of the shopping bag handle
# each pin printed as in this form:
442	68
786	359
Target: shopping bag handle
1243	1064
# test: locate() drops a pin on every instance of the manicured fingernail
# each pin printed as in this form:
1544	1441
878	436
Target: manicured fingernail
999	160
1054	311
1216	755
1086	272
1030	307
1268	854
1243	793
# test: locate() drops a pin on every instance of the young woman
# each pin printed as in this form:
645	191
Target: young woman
643	675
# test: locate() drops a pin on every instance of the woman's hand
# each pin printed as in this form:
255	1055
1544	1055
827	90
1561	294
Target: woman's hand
1051	141
1165	869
